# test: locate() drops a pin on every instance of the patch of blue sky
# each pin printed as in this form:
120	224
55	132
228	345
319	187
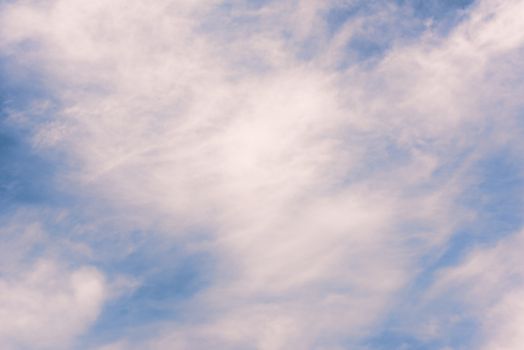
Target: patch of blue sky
405	22
26	176
168	275
495	200
414	323
437	9
375	34
339	15
460	337
441	16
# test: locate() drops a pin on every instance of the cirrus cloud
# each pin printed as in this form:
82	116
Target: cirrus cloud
323	181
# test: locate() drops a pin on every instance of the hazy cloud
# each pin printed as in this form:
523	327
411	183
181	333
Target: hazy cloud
323	167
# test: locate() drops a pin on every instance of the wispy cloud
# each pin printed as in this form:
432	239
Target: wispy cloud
321	152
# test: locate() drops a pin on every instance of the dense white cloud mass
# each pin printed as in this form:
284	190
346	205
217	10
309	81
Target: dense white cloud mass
320	179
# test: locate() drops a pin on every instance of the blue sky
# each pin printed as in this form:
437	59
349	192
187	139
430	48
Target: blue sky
261	174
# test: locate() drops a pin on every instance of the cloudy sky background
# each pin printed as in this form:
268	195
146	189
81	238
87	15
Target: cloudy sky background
256	174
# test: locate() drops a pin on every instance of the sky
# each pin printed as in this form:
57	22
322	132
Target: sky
262	174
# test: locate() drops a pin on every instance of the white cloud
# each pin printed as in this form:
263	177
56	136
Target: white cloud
44	302
46	307
313	182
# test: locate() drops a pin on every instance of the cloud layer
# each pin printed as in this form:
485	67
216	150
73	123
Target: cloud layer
325	155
